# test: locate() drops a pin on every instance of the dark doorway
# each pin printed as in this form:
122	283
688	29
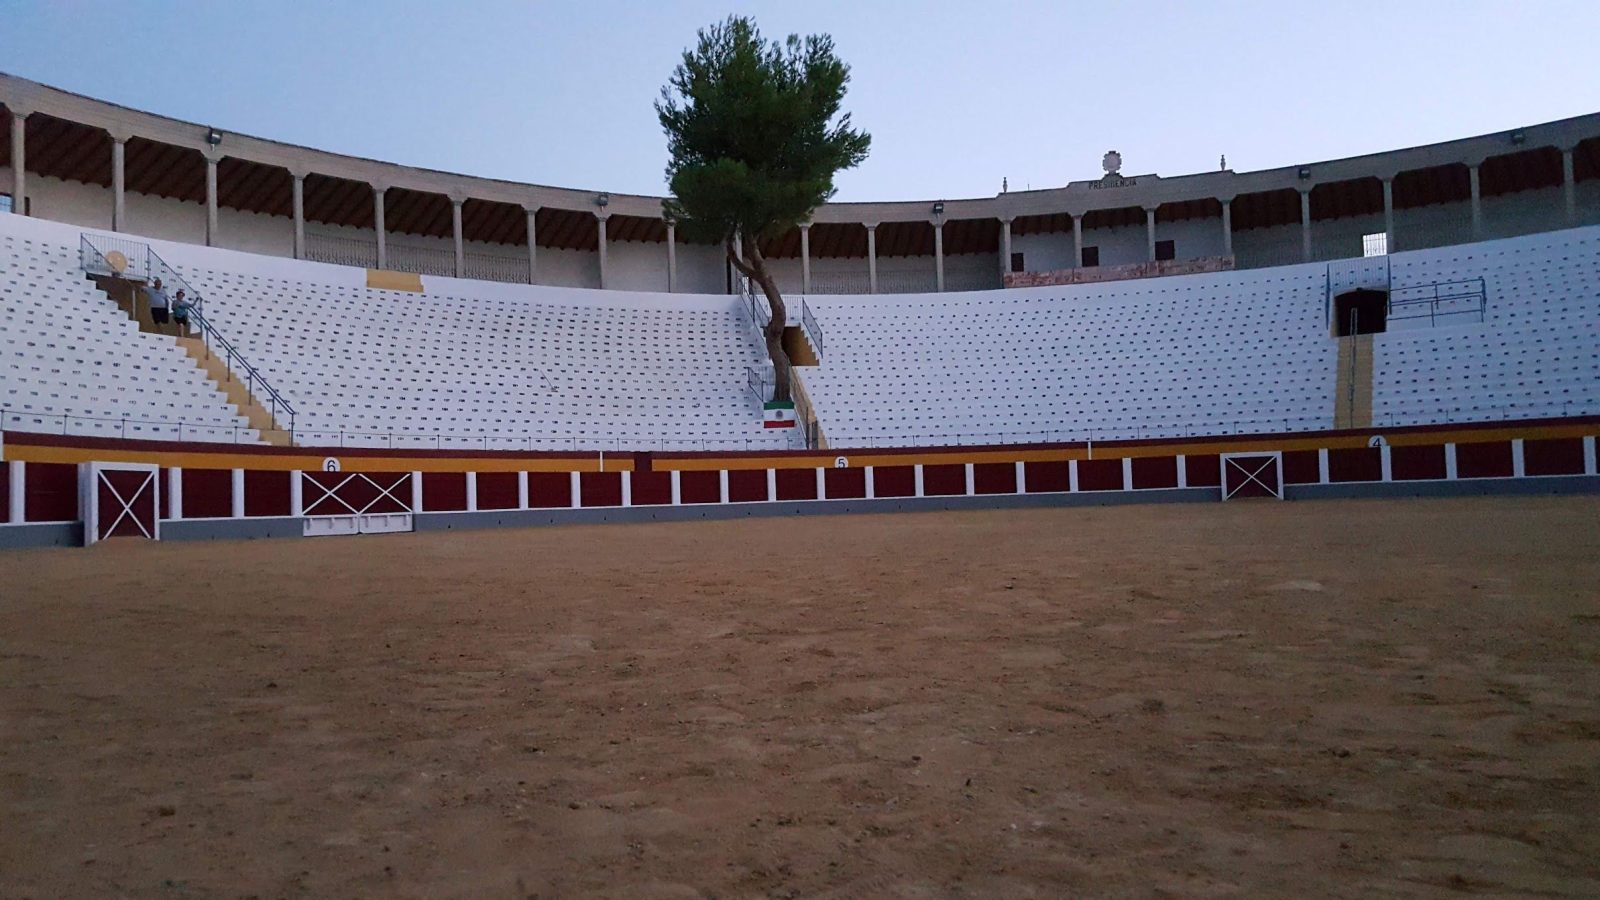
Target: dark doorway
1361	311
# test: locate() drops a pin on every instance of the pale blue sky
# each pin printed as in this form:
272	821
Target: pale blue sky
956	95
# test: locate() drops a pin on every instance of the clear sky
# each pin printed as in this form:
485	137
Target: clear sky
956	95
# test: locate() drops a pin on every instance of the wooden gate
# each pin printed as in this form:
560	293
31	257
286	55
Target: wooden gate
356	502
1252	475
119	500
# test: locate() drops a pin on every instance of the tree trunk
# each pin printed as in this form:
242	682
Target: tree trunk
755	268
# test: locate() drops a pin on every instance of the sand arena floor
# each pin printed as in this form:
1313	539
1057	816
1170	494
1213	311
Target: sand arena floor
1338	698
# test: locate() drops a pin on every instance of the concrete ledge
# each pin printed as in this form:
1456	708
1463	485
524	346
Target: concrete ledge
41	534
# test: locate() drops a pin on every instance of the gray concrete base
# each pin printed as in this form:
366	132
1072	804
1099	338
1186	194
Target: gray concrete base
41	534
1461	487
231	529
524	518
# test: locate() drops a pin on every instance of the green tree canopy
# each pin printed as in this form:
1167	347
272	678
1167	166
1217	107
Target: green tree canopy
755	134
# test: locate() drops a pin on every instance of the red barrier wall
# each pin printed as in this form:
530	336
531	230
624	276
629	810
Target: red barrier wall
994	478
894	481
444	491
747	486
651	488
266	493
845	484
1099	474
944	481
1355	464
207	493
797	484
1563	456
549	490
51	493
1155	472
497	490
700	487
1047	477
600	488
1416	463
1488	460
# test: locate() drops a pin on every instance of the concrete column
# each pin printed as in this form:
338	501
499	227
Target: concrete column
1477	203
175	494
16	501
805	259
119	182
456	230
1305	224
1077	241
938	256
1150	233
600	245
1005	247
19	160
533	244
237	508
1569	186
872	258
1227	227
1388	214
299	196
211	198
297	496
672	258
378	190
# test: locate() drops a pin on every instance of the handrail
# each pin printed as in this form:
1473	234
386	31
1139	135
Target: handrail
809	323
1434	294
141	262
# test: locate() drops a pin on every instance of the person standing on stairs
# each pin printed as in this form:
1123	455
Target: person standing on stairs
180	313
158	303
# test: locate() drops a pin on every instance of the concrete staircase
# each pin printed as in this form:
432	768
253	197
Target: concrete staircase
259	417
128	295
1352	389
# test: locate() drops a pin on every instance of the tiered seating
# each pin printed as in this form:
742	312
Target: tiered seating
542	368
1536	353
71	362
1201	354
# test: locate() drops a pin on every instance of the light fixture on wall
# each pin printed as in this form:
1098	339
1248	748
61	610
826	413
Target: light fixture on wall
938	207
1519	137
1305	173
602	200
213	137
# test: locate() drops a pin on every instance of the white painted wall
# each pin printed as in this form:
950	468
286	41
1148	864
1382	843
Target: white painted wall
640	266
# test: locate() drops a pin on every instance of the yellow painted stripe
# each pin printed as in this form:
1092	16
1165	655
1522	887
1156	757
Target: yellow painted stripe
233	459
284	463
385	280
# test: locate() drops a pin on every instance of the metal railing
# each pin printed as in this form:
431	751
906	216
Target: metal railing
140	262
808	323
400	256
1440	299
12	419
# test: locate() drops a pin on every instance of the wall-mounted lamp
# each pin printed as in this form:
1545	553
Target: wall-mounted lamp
213	137
1304	173
602	200
938	207
1519	136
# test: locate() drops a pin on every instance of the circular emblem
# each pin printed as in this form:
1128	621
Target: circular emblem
840	462
117	261
330	465
1377	441
1111	162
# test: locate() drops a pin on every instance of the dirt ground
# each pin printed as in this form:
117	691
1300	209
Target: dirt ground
1267	699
